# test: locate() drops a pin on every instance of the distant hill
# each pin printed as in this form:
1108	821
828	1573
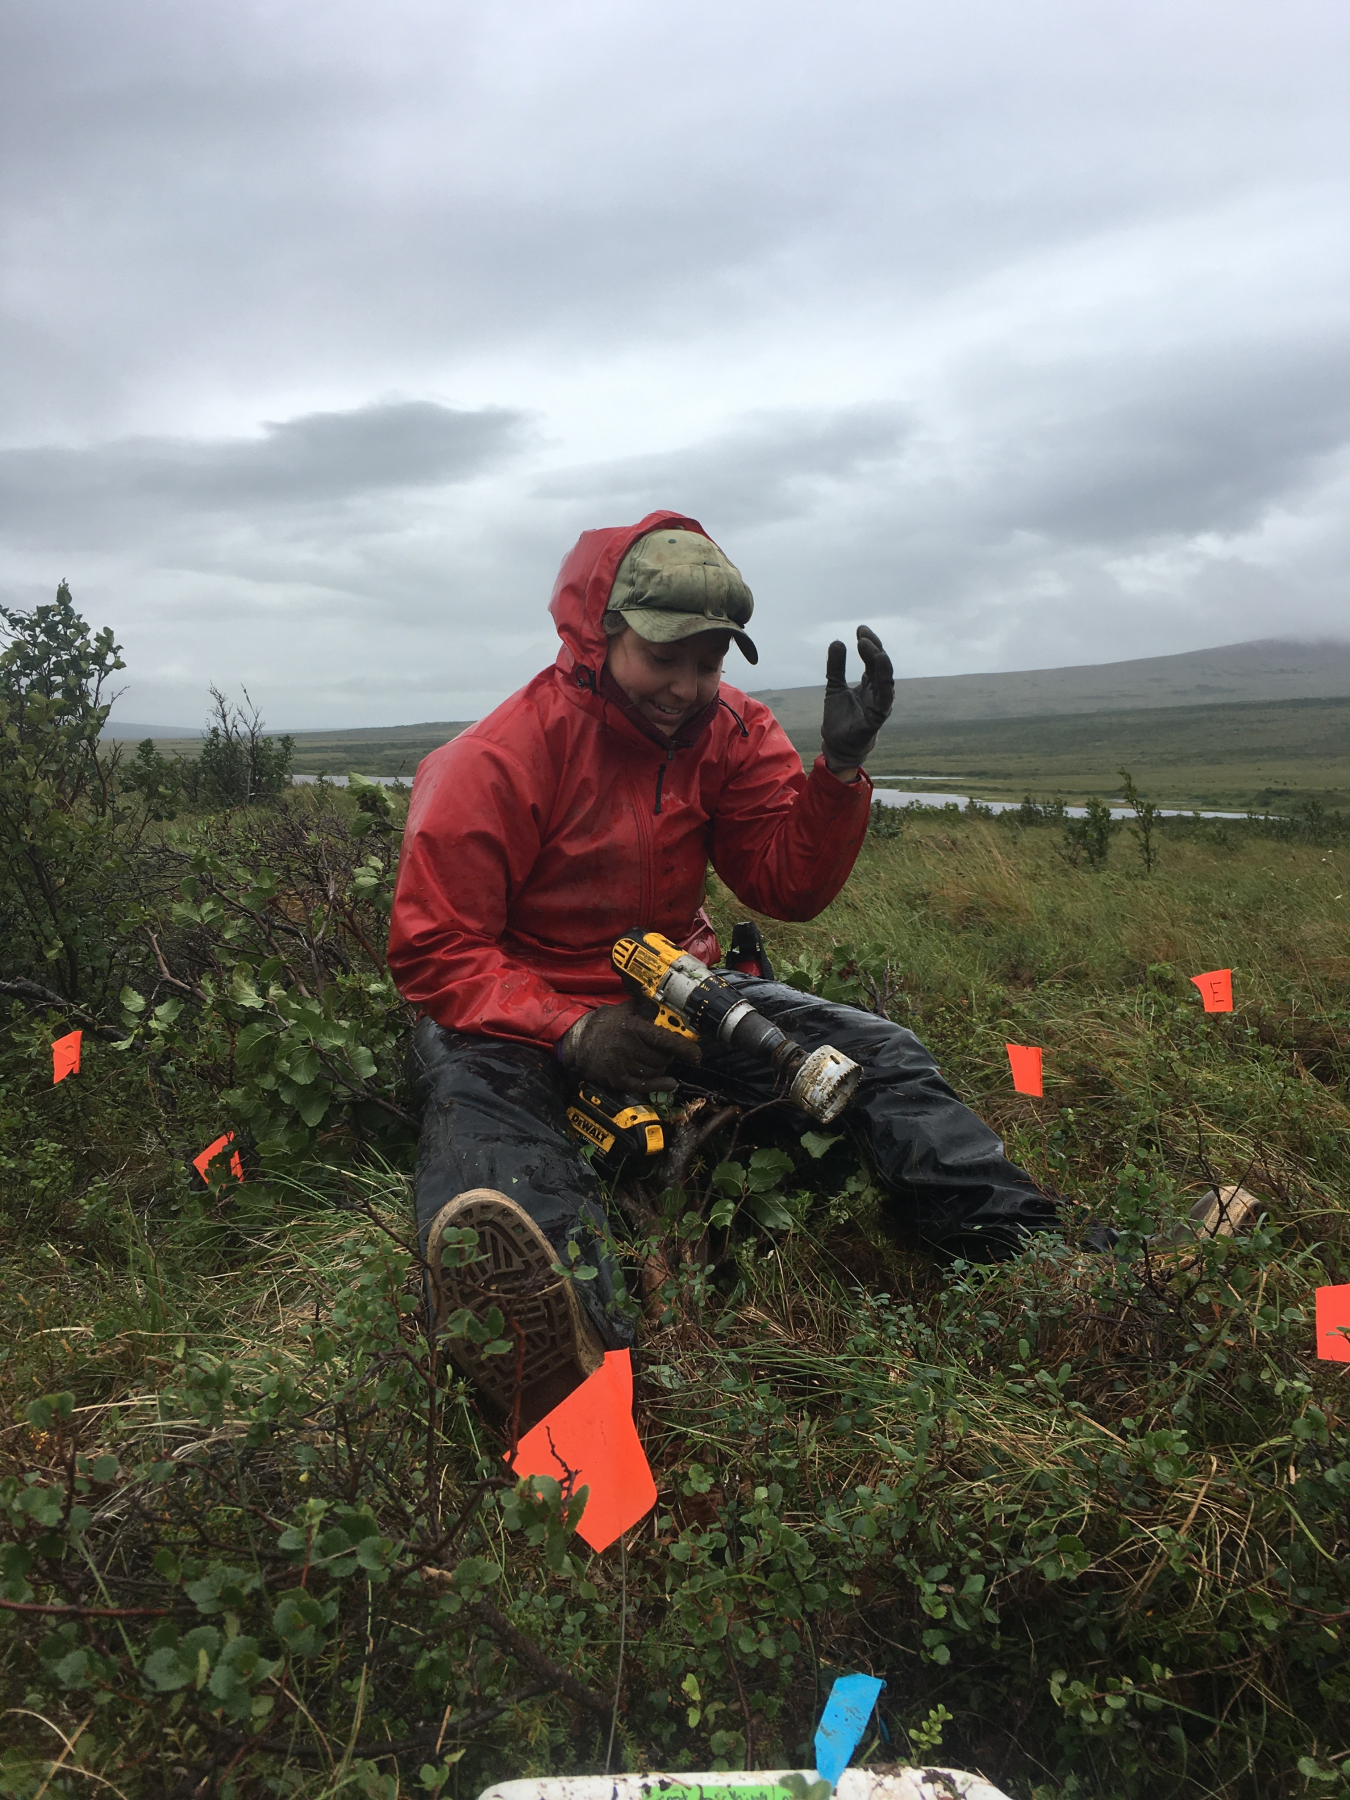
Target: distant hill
370	749
1268	669
127	731
1201	683
388	750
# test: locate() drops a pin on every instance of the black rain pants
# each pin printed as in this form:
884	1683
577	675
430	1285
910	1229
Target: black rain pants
495	1116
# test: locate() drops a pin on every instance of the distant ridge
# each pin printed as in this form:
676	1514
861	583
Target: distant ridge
1263	670
127	731
1259	673
372	749
438	730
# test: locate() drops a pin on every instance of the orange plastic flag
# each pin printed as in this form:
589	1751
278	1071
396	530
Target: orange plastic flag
1025	1062
591	1435
203	1162
1333	1323
66	1056
1216	989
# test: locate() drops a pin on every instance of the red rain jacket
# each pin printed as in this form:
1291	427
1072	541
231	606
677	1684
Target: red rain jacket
541	834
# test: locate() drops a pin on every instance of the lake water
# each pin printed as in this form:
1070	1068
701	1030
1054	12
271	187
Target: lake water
903	797
887	796
341	780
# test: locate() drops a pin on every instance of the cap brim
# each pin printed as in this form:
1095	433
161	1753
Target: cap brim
660	626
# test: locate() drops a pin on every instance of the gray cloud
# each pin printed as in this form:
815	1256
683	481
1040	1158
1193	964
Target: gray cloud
770	467
318	459
1206	443
1020	329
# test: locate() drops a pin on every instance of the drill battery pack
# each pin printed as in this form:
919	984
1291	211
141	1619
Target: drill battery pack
620	1127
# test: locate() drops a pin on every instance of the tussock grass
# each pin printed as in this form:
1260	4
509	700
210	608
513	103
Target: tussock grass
1094	1508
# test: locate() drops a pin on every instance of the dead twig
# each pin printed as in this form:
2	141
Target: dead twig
188	987
35	994
87	1612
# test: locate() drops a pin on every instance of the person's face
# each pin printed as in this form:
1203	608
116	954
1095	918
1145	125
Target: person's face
668	683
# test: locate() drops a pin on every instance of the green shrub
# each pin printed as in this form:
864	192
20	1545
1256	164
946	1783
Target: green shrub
238	765
270	988
1148	820
67	852
886	822
1088	840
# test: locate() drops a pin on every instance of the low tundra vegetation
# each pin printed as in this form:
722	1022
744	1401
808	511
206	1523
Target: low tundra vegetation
1087	1517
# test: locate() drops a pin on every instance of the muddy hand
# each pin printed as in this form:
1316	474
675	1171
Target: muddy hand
853	716
617	1050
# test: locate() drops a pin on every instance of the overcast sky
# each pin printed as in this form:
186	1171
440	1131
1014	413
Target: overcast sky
1018	330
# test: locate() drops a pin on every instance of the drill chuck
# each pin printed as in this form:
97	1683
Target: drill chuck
706	1005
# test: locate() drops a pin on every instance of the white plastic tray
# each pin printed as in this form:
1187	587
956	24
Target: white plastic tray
751	1784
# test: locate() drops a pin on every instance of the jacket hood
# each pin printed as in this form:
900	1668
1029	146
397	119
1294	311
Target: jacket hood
586	580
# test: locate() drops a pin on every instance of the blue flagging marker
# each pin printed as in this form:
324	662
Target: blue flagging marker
843	1722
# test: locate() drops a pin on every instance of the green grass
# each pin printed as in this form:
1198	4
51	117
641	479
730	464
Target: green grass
987	934
1258	757
1096	1511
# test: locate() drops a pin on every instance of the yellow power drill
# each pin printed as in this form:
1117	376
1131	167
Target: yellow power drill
695	1002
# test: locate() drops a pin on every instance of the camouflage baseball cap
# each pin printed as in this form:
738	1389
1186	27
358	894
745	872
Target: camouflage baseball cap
672	584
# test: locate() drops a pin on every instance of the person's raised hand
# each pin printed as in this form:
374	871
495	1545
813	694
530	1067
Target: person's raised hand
617	1050
853	716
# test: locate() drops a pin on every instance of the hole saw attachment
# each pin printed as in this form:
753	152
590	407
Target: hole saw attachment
695	1002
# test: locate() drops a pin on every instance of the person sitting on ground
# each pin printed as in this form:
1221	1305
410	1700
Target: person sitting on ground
591	803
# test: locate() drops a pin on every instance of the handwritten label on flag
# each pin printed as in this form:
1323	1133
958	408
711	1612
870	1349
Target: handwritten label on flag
66	1056
1216	989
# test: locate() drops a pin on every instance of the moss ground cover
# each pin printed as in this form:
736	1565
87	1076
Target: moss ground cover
1089	1518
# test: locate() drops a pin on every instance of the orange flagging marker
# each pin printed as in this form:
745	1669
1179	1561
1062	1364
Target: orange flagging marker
1333	1323
1025	1062
66	1056
591	1435
1216	989
203	1162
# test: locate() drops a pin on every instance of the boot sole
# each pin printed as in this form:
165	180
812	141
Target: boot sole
1223	1212
514	1270
1226	1213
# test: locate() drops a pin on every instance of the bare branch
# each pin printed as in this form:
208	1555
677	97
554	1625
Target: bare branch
36	995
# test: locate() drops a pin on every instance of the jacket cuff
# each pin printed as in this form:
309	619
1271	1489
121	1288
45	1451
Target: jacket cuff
562	1023
860	784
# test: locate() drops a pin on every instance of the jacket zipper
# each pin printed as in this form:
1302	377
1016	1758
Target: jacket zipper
661	778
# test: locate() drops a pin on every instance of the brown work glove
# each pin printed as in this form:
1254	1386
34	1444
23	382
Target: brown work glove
853	716
617	1050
